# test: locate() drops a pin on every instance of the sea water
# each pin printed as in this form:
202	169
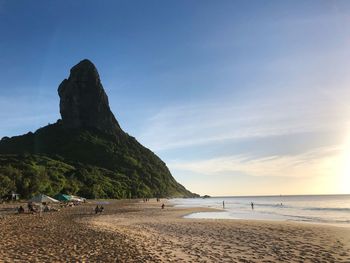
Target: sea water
330	209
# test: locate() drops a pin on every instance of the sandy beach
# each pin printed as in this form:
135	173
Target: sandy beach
142	232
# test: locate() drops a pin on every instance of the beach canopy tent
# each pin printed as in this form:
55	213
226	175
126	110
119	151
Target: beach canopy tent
63	197
41	198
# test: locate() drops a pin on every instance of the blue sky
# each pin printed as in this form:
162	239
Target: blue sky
237	97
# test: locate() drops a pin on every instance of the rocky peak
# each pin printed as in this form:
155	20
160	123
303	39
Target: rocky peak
83	101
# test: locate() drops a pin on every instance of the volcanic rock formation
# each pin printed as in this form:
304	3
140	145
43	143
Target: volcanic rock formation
84	103
86	153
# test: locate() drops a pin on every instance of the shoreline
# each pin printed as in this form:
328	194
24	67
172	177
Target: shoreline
338	225
332	211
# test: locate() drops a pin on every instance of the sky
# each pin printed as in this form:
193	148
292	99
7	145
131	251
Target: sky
236	97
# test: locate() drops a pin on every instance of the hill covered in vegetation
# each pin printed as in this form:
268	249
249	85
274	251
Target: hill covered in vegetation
85	153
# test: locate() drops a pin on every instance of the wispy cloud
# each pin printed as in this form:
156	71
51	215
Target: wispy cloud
189	125
308	164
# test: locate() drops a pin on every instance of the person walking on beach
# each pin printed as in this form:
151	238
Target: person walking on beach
252	205
163	206
223	204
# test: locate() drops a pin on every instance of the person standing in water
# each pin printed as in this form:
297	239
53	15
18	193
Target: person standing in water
252	205
223	204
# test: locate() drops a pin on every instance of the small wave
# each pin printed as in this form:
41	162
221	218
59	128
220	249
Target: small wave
292	217
340	209
277	205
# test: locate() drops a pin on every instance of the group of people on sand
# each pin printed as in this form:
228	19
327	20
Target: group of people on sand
158	200
99	209
44	207
147	199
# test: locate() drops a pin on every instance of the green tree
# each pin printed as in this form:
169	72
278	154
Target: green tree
6	185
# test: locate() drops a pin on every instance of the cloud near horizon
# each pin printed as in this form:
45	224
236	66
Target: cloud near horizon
209	123
318	162
281	127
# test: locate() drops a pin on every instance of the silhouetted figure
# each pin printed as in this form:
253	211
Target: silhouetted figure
46	208
20	210
223	204
252	205
97	209
163	206
31	208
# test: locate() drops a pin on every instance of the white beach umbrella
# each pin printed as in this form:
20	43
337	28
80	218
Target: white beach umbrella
41	198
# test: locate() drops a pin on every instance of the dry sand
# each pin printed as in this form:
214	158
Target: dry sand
57	237
142	232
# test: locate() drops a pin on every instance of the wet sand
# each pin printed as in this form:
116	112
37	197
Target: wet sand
142	232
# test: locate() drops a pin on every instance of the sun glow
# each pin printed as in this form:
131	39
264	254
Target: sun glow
344	169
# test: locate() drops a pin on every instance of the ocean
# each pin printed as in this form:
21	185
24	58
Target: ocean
327	209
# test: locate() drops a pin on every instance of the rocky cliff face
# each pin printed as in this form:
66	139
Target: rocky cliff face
84	103
86	153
